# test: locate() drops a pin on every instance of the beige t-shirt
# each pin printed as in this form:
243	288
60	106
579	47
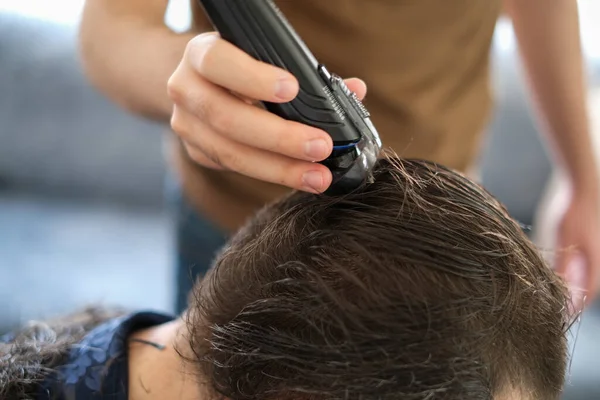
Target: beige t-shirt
426	64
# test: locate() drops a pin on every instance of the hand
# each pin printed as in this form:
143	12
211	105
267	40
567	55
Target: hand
578	257
214	91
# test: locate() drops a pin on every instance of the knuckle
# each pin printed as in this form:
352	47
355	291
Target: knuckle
226	158
195	154
178	124
199	104
204	52
229	160
214	156
213	114
220	120
174	88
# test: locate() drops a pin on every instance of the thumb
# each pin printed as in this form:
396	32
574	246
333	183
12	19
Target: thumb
357	86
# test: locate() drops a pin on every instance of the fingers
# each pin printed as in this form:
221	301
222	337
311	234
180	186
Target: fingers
216	90
357	86
247	124
225	65
573	270
580	270
592	264
216	149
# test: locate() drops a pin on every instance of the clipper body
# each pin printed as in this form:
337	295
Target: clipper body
324	101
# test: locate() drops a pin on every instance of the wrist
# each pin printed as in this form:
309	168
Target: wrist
583	172
586	185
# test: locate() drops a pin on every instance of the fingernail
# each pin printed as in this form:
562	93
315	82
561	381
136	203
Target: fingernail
317	149
313	180
285	89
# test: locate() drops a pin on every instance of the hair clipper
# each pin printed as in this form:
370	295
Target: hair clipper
324	101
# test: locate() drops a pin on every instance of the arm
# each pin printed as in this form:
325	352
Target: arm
128	53
548	37
202	84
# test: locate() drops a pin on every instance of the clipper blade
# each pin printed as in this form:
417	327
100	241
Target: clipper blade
351	166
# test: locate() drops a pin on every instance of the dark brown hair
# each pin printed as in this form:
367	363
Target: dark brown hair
417	286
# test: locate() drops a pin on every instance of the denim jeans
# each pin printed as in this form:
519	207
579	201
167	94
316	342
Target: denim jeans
197	243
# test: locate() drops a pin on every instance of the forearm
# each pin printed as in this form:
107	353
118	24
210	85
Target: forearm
130	60
549	41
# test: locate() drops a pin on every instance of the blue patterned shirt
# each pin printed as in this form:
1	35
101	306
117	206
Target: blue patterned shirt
97	367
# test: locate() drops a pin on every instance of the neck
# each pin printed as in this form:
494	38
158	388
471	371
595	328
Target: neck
156	371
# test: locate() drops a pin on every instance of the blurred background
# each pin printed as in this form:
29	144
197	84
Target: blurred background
82	183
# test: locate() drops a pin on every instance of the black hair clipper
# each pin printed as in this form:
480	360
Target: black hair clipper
324	101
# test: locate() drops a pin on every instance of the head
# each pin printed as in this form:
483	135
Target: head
417	286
